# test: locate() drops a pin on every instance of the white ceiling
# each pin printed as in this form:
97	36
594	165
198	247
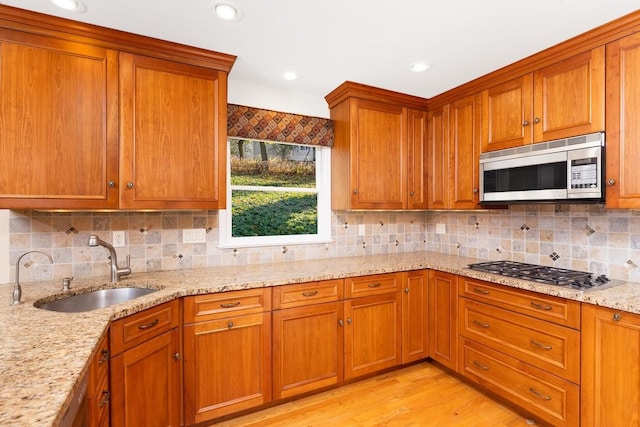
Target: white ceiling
366	41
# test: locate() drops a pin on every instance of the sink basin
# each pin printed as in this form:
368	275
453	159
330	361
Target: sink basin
94	300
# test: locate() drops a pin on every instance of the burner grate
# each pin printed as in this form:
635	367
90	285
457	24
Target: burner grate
541	273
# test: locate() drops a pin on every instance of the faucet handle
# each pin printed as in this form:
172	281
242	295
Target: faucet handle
128	261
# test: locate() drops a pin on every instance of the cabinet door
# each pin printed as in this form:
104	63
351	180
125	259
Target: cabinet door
307	348
610	386
506	114
173	147
438	157
443	318
227	366
415	335
58	109
145	383
623	126
464	152
372	334
569	97
378	155
417	144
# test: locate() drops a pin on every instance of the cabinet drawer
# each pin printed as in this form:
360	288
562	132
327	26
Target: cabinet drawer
372	285
98	403
140	327
551	398
226	304
545	307
289	296
545	345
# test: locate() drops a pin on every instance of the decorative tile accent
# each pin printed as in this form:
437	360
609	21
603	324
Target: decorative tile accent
630	264
524	227
267	125
588	230
554	256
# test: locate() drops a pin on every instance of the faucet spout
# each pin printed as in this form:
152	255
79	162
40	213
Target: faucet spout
17	289
116	272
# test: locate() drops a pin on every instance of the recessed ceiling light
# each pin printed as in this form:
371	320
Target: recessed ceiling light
419	66
290	75
71	5
226	10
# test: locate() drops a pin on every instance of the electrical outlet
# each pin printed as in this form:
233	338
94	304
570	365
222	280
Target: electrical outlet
117	237
441	228
361	230
194	235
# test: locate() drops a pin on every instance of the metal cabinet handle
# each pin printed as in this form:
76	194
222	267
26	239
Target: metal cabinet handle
176	356
349	321
611	182
309	293
341	322
541	307
541	346
106	396
476	191
149	325
411	193
536	120
230	304
480	324
406	290
104	356
111	184
480	291
525	123
617	317
230	324
480	365
355	191
129	185
374	285
538	394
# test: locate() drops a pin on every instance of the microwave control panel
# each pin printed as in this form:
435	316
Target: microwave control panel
584	173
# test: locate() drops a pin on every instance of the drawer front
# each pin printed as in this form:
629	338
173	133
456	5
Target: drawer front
226	304
545	345
98	403
290	296
140	327
546	307
372	285
99	367
551	398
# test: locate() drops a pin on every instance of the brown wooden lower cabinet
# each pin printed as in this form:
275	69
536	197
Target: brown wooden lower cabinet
145	383
307	348
443	315
415	334
610	367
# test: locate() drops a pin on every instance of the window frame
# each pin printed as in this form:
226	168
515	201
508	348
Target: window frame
322	190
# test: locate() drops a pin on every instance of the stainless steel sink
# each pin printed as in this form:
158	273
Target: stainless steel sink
94	300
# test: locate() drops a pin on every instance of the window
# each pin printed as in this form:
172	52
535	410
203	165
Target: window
277	194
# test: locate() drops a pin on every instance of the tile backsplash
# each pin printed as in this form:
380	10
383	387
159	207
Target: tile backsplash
581	237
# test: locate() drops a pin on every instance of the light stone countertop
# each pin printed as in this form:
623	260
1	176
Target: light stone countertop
44	355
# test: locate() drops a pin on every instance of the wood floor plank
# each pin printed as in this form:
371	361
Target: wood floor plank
420	395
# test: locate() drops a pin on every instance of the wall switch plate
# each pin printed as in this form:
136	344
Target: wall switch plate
118	239
441	228
361	230
194	235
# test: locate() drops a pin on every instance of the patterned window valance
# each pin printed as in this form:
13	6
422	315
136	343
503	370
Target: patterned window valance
266	125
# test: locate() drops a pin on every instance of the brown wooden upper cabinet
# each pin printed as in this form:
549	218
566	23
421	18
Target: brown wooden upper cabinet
623	127
92	118
378	157
558	101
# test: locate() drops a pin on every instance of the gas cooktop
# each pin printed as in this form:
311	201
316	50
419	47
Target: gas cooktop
541	274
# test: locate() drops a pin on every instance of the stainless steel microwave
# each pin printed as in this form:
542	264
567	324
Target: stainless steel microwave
565	170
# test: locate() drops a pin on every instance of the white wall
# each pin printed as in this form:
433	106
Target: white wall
252	95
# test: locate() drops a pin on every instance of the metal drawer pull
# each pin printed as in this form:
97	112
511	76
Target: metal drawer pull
538	394
149	325
341	322
309	293
230	324
374	285
480	365
480	324
480	291
542	346
541	307
106	396
230	304
104	356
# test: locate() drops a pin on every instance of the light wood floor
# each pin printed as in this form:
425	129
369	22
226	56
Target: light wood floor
417	396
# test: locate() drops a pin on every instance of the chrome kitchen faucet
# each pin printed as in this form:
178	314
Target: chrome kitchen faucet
17	289
116	272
